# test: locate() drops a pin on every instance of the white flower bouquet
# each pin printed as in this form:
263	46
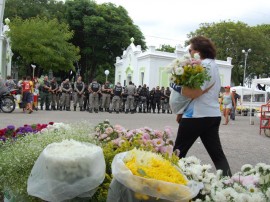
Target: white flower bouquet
187	72
67	170
150	175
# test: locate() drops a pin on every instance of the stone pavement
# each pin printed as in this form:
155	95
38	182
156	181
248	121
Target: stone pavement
241	141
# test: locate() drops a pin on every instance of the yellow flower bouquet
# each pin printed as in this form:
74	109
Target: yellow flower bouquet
149	174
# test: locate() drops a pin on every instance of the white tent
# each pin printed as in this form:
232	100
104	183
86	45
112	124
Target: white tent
265	81
247	93
251	95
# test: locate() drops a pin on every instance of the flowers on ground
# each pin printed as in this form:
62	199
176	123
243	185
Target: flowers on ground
11	132
160	141
248	185
188	72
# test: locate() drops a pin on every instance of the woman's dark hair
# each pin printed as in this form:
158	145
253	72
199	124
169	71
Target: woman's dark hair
205	46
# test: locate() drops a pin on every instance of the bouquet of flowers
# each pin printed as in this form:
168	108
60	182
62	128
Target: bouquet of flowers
150	175
187	72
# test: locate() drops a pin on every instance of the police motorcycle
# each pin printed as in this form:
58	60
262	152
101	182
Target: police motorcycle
7	101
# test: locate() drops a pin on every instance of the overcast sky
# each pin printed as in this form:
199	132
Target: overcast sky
169	21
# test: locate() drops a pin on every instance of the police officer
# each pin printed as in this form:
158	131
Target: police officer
45	94
94	90
117	91
66	91
144	94
150	100
86	98
156	99
78	93
106	96
167	94
162	100
130	90
54	95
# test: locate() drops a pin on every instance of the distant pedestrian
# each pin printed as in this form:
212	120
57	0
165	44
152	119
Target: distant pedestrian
228	102
236	97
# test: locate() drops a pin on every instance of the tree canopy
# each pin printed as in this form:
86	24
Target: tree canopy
44	42
101	31
231	38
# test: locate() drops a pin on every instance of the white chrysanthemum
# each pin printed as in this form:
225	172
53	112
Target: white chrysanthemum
197	56
179	71
219	196
187	56
172	78
257	197
246	167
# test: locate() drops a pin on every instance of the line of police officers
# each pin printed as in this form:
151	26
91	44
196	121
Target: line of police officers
96	97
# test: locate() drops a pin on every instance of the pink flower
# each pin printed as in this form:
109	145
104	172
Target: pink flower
158	142
159	133
129	134
103	136
108	130
168	131
118	127
116	141
146	136
246	180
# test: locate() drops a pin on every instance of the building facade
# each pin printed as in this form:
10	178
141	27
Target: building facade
148	67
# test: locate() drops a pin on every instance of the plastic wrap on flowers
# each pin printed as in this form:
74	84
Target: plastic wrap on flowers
67	170
178	102
152	187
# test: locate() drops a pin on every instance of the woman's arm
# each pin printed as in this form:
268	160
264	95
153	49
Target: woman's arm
194	93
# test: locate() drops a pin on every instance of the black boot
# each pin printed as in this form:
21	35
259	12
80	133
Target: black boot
60	108
132	111
41	108
81	109
163	111
90	111
67	108
126	111
74	108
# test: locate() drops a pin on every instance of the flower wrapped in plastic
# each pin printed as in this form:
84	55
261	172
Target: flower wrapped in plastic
150	175
67	170
185	71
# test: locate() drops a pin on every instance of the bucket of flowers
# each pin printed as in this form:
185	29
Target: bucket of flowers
147	174
185	71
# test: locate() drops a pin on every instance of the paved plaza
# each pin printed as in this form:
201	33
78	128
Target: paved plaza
241	141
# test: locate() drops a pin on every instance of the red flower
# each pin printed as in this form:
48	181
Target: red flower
51	123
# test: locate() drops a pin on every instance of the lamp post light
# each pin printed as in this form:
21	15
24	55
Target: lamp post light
34	67
107	73
246	55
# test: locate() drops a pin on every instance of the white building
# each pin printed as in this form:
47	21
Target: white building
149	67
5	49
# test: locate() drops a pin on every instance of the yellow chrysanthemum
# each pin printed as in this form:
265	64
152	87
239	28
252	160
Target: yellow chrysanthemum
154	167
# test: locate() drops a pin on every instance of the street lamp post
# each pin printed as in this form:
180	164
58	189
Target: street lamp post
246	55
107	73
34	67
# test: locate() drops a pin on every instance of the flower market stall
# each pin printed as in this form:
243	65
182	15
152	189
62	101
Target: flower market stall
140	166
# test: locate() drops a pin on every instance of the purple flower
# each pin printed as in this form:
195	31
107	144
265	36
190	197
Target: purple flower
11	127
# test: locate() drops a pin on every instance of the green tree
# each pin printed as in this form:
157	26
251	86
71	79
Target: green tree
166	48
230	39
32	8
44	42
101	31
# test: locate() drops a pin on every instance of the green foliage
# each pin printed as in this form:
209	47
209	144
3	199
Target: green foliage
17	158
101	31
166	48
44	42
231	38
